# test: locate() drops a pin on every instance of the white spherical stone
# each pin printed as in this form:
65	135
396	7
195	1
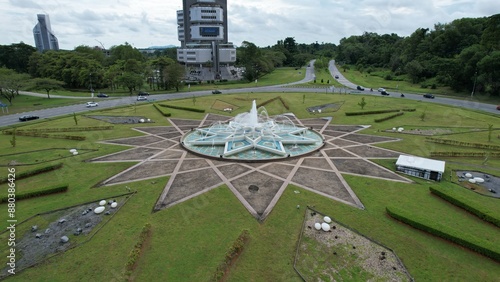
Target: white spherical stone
327	219
114	204
468	175
99	210
75	153
325	226
479	179
102	202
472	180
317	225
72	150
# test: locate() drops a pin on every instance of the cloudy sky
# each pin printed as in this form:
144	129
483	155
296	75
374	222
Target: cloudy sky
262	22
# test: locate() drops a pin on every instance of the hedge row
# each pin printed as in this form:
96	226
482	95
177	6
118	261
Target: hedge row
233	252
465	206
460	241
44	135
33	172
182	108
389	117
161	109
63	129
38	193
377	112
462	144
135	254
465	154
274	99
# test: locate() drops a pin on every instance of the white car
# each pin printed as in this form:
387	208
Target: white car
142	98
91	104
381	89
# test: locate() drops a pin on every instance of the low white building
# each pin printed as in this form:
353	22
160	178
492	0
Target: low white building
421	167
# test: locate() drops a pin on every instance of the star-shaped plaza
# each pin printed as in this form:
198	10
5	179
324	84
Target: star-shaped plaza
258	185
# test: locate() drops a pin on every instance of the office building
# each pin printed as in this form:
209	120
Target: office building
203	33
44	37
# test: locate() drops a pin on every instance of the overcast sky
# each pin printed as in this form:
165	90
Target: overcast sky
262	22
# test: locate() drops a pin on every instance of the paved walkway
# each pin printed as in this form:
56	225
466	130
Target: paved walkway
258	186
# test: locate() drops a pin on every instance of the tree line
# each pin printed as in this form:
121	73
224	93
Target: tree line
463	54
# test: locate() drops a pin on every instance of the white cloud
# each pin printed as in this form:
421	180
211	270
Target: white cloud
153	22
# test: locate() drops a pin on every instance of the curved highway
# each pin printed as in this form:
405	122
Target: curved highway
11	119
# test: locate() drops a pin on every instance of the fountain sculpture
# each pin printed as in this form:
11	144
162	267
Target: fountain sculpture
253	136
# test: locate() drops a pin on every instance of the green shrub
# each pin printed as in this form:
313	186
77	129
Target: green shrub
162	111
389	117
33	172
234	251
37	193
135	254
182	108
377	112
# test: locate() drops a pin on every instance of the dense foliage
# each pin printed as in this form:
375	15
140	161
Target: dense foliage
464	54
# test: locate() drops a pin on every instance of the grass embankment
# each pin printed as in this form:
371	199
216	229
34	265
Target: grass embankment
191	239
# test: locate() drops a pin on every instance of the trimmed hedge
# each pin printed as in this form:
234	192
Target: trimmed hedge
377	112
44	135
389	117
182	108
274	99
465	206
462	144
450	237
33	172
135	254
233	252
63	129
161	109
465	154
38	193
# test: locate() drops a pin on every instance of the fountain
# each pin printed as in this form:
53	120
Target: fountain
253	136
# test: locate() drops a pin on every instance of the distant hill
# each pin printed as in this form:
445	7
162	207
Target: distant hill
162	47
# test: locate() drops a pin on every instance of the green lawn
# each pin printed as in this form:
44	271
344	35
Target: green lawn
190	239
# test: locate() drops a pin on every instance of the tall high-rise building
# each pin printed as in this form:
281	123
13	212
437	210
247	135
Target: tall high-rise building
203	33
44	37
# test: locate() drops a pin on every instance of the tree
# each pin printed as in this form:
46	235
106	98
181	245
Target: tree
47	84
16	56
11	82
362	104
414	70
130	80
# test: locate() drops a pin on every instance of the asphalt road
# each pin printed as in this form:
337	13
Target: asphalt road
104	103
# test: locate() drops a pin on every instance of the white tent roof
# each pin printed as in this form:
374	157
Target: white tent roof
421	163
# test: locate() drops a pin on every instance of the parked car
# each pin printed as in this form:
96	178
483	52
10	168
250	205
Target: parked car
142	93
336	77
102	95
429	96
91	104
498	107
216	92
27	117
360	88
384	93
142	98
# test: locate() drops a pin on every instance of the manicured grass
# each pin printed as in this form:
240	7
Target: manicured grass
189	240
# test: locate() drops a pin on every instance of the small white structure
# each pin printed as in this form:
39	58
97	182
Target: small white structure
317	226
325	226
327	219
114	204
421	167
99	210
102	202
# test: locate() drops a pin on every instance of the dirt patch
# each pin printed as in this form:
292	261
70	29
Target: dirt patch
325	108
122	119
343	254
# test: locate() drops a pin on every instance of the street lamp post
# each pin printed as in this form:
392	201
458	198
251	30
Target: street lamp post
474	86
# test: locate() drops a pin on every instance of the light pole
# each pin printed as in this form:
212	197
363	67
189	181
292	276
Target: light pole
474	86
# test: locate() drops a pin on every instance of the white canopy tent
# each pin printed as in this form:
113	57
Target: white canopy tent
421	167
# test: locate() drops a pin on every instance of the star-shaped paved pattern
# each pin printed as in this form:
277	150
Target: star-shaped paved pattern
257	185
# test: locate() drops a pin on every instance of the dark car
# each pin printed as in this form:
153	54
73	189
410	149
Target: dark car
216	92
498	107
142	93
383	92
429	96
360	88
336	77
102	95
27	117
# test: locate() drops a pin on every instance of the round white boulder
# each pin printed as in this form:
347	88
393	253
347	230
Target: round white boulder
75	153
472	180
114	204
141	120
102	202
99	210
317	226
325	226
327	219
468	175
479	179
72	150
